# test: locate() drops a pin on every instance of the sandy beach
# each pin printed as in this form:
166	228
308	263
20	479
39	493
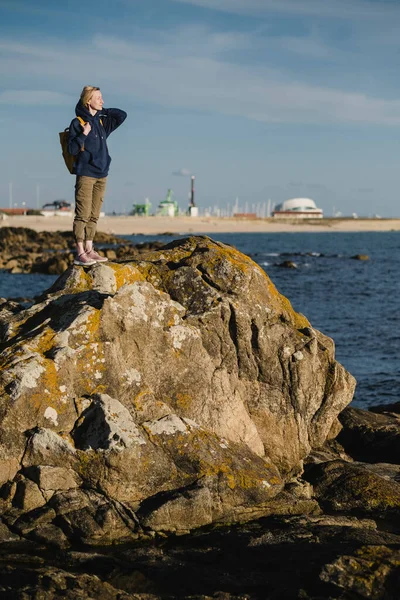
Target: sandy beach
129	225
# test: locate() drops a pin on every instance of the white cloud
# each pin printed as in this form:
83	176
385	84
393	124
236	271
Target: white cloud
163	72
342	9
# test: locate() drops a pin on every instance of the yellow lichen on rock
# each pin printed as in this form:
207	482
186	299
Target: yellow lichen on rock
78	281
125	274
182	401
90	360
48	394
200	453
184	376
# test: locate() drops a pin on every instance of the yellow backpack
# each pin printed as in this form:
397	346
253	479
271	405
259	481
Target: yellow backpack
69	159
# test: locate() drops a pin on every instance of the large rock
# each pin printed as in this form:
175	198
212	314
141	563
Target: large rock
372	572
356	488
369	436
160	394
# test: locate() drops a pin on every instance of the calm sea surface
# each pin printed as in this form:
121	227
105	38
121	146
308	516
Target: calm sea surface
357	303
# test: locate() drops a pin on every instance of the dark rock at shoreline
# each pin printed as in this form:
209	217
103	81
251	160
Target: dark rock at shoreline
370	436
12	238
287	264
352	488
386	408
360	257
317	557
24	250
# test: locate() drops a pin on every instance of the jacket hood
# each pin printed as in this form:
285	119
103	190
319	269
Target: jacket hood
83	112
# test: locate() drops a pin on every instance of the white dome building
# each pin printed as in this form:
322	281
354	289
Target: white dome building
301	208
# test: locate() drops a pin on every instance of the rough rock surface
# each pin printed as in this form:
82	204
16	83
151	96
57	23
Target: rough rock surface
23	250
370	436
355	489
162	394
305	557
28	240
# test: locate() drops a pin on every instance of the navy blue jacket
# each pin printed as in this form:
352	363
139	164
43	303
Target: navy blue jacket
94	160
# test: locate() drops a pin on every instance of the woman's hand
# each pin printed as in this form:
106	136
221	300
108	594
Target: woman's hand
86	128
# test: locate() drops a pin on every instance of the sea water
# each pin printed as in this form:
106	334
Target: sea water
352	301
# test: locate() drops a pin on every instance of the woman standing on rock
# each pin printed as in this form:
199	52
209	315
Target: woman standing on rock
87	141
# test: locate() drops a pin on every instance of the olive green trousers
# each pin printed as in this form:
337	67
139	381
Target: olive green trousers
89	196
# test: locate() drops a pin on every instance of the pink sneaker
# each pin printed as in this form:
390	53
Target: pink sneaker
96	256
83	260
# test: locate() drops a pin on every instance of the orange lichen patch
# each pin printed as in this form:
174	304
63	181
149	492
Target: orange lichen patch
298	320
125	274
40	343
43	342
79	282
85	330
171	322
90	360
84	281
182	401
47	391
143	397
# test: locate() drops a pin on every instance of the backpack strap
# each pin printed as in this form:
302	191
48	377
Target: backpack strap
82	122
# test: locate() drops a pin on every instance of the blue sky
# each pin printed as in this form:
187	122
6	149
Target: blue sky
259	99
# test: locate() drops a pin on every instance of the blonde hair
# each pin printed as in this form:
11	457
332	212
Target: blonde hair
87	93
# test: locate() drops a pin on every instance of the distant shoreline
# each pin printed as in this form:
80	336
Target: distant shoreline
129	225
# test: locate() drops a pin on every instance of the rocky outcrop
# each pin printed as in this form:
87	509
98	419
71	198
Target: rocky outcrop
370	436
355	488
28	240
358	472
360	257
23	250
308	557
162	394
175	393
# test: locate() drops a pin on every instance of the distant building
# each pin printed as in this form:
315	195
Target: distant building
168	207
57	208
142	210
299	208
12	212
